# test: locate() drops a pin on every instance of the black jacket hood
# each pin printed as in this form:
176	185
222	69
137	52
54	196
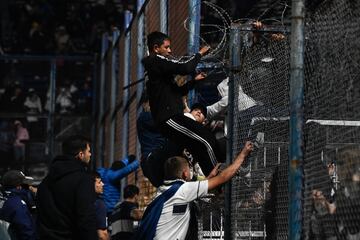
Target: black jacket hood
64	165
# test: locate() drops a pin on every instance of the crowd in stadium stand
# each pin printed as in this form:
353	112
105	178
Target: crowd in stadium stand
58	27
26	97
69	97
62	27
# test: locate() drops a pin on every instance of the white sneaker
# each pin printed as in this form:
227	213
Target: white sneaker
259	140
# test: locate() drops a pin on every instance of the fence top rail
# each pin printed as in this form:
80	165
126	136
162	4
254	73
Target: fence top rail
335	122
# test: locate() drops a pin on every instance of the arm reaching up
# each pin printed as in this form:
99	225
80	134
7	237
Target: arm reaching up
204	50
117	175
214	172
230	171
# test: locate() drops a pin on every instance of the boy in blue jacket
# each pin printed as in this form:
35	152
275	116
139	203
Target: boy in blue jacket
111	178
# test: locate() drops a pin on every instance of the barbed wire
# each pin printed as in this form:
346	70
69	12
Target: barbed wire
218	53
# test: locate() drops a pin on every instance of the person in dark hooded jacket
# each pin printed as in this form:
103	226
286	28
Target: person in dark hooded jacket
66	197
16	208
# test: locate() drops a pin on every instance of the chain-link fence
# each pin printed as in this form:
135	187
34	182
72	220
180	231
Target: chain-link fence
261	103
260	74
331	165
259	200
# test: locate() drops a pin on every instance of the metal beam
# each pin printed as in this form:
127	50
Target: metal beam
113	92
126	93
194	33
164	16
235	44
296	121
101	94
51	120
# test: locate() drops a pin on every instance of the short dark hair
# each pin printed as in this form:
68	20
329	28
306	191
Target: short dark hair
131	158
96	175
117	165
173	167
156	38
130	191
74	144
200	106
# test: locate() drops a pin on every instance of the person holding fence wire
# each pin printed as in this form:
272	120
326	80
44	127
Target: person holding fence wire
170	215
166	100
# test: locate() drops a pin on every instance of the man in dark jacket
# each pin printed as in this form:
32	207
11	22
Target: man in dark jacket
66	197
16	206
155	148
166	102
125	214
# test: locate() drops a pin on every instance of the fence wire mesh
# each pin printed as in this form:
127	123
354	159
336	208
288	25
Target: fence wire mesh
259	200
331	208
211	218
260	115
332	58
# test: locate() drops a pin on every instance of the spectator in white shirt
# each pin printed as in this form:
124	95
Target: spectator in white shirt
33	105
168	216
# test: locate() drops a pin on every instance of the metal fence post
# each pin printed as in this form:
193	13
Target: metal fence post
50	121
235	62
164	16
100	124
194	33
296	120
140	55
126	96
140	50
94	112
113	92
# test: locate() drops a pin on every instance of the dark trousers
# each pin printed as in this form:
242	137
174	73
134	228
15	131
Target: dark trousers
195	137
153	164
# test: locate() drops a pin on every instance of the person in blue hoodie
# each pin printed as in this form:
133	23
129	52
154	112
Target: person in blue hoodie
16	208
111	178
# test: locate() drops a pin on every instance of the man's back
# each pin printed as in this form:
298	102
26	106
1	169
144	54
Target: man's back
175	216
65	202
